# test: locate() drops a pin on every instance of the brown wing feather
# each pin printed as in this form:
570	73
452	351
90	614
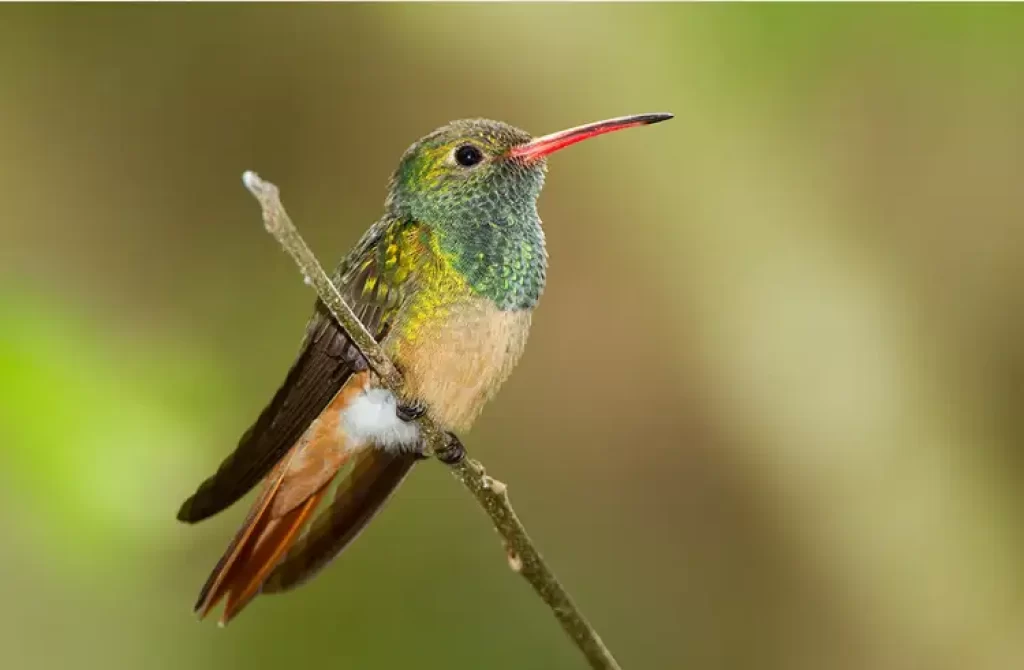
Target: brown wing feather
327	359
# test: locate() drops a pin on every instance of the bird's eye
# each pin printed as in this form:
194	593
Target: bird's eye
468	155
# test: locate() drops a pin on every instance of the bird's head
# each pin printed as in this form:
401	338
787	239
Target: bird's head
481	172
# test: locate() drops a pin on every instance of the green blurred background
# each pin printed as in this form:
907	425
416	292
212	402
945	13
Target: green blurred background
770	414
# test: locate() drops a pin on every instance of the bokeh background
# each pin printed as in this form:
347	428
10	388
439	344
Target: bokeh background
770	414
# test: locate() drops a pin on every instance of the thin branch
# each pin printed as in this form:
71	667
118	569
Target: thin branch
492	495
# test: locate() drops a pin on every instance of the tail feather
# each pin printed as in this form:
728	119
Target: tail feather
267	554
256	549
362	491
218	581
293	491
272	544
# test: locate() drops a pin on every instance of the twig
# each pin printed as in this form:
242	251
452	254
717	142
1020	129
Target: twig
492	495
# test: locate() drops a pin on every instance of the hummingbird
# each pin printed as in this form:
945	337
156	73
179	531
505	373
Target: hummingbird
446	281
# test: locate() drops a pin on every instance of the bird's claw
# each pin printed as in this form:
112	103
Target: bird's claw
411	411
452	452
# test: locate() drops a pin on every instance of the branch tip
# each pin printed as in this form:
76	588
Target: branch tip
252	181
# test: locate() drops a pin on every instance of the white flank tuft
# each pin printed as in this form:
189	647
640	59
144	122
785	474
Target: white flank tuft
372	419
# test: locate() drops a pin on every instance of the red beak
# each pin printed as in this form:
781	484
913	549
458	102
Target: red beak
542	146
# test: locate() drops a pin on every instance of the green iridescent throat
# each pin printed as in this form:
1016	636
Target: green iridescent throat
503	261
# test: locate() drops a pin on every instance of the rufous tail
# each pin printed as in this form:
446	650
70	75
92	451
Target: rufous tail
255	551
271	553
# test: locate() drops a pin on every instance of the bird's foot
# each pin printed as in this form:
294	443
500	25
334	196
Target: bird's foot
411	411
452	452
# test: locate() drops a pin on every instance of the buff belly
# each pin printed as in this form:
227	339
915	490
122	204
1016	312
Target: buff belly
454	363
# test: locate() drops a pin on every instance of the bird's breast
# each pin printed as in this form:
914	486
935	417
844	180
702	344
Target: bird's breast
455	356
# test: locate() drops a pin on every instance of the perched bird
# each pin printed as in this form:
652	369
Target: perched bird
446	280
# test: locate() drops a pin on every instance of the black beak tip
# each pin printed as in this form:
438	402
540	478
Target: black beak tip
648	119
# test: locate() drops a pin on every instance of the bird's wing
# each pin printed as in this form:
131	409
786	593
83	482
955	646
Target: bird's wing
374	280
